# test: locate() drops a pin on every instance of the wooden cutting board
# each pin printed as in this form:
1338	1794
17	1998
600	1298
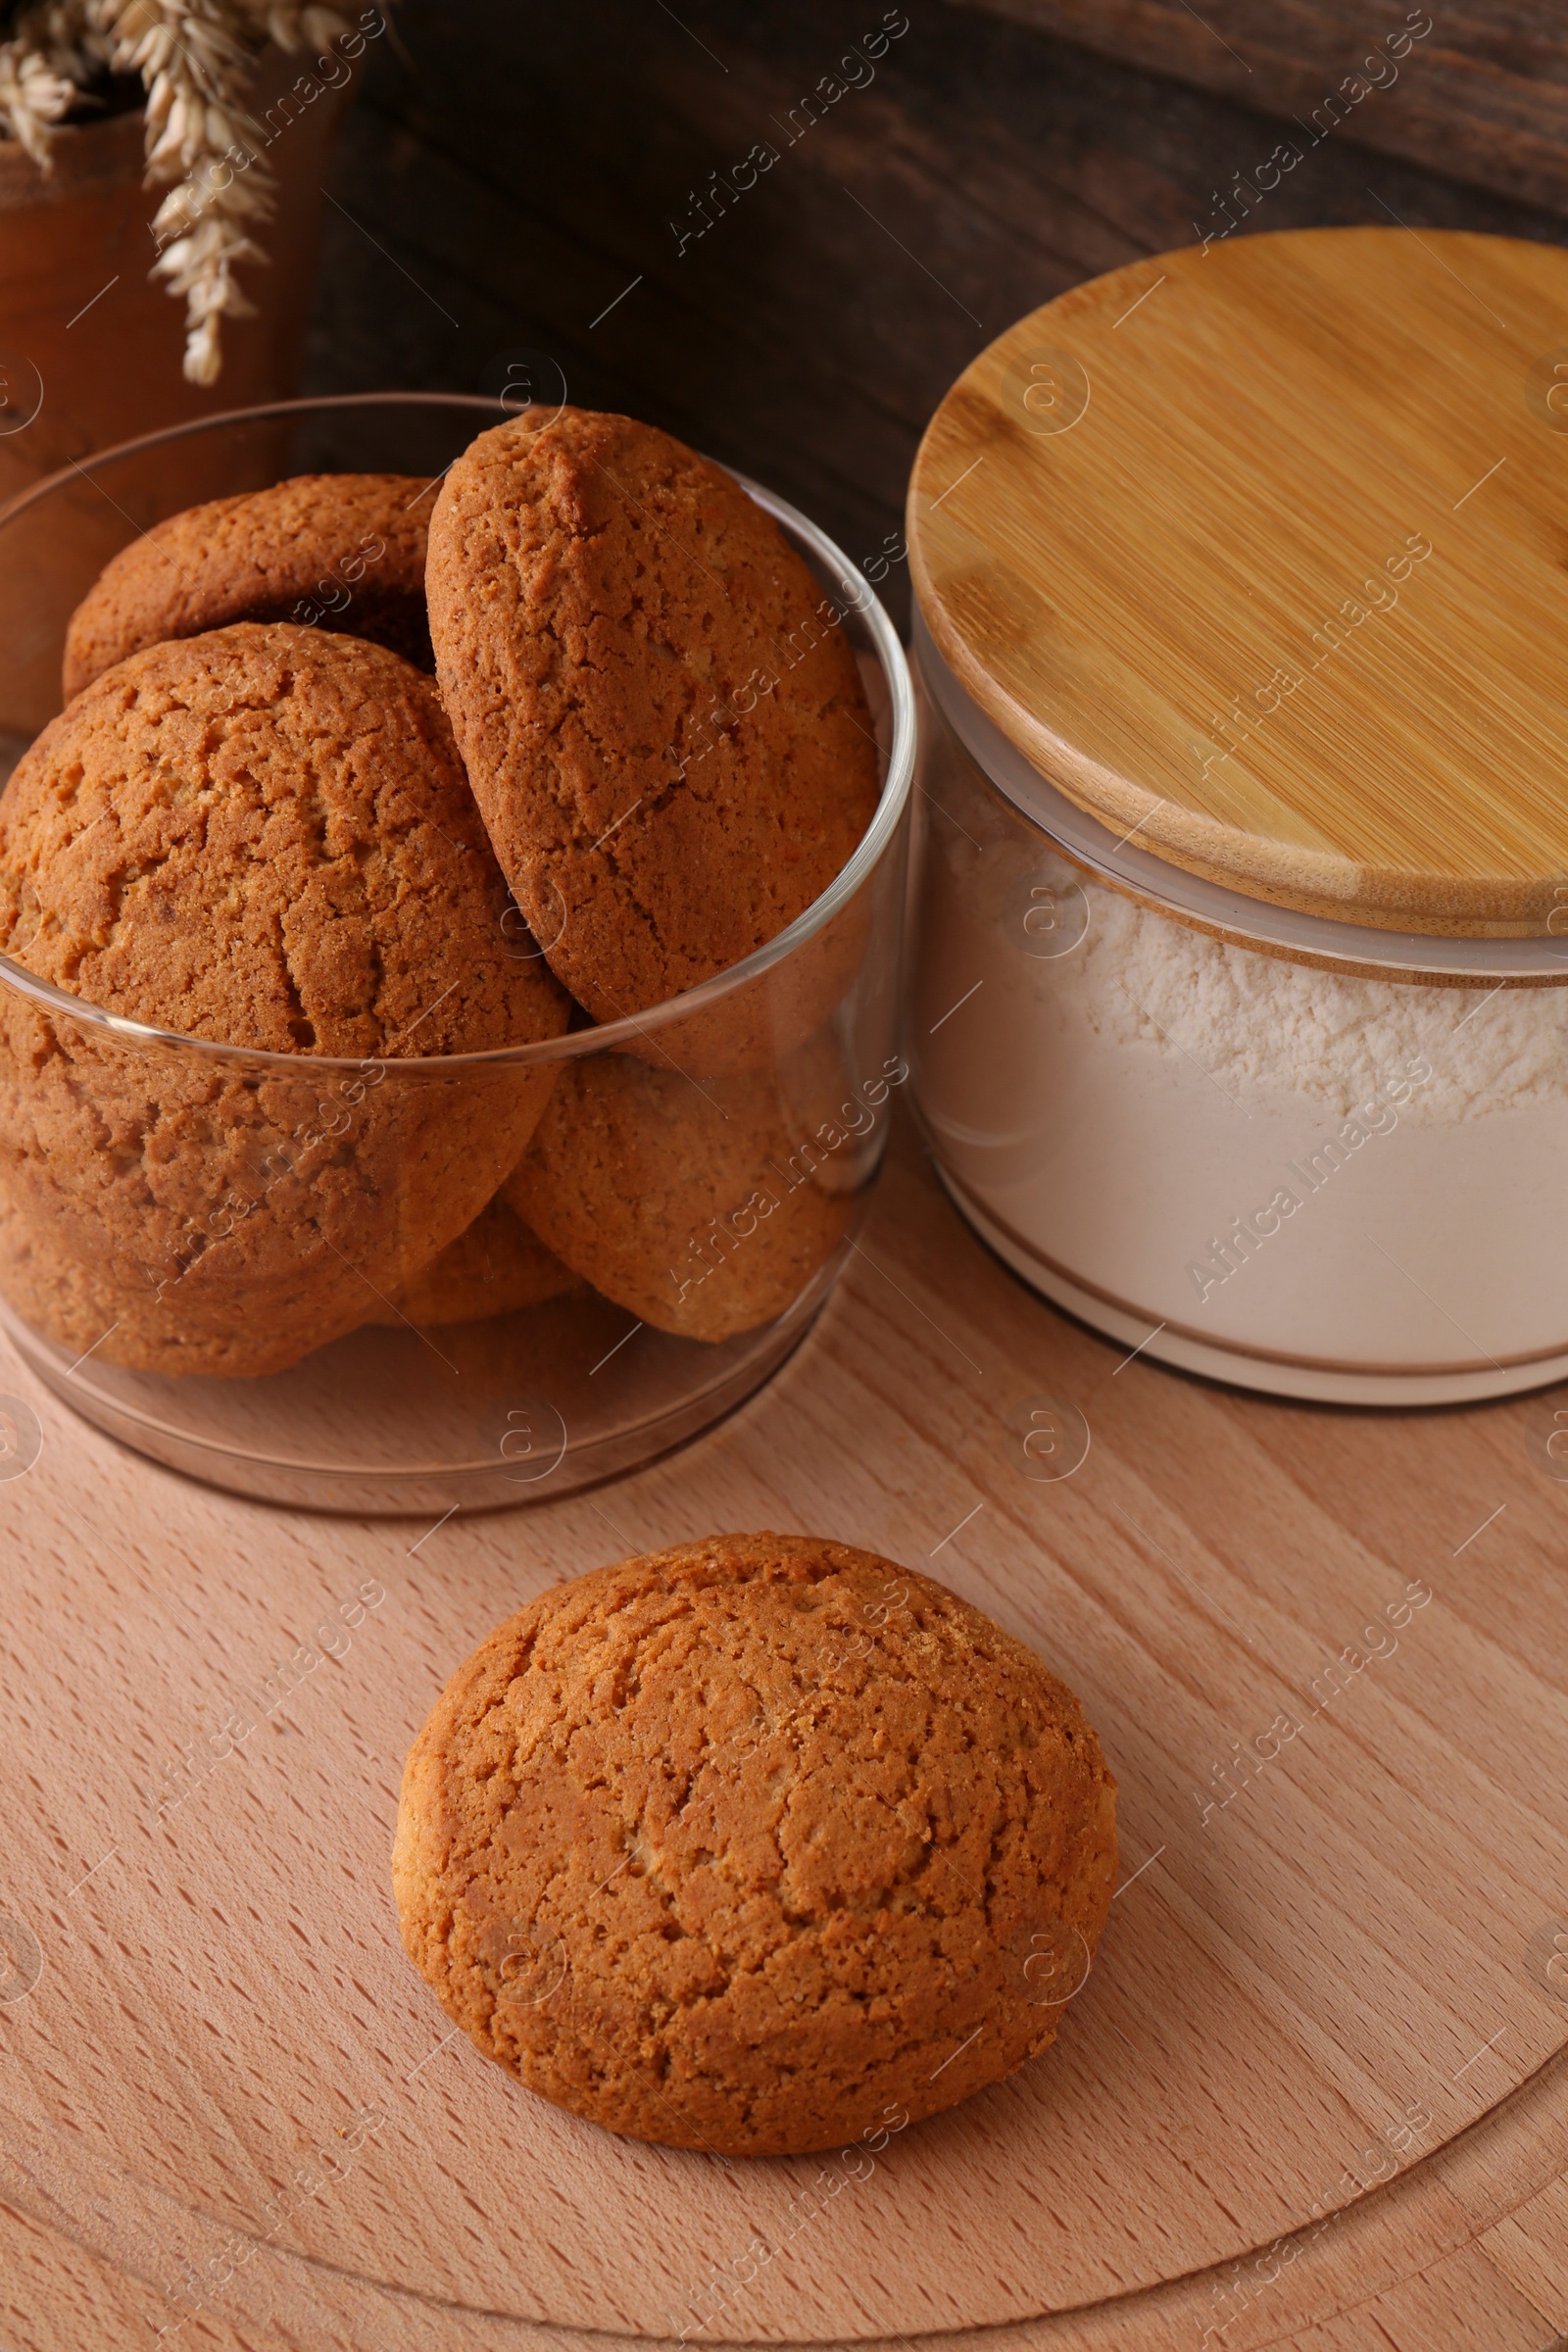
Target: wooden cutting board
1318	2054
1257	550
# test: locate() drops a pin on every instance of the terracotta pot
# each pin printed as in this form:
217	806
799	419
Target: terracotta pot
82	321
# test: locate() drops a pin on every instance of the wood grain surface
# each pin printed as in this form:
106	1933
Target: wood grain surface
1487	92
1316	2064
1257	551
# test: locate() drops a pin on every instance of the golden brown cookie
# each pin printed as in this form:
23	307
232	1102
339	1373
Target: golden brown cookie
756	1024
760	1844
263	837
658	713
130	1314
336	550
495	1267
700	1210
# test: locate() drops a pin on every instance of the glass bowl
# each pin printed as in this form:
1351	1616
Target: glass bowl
224	1258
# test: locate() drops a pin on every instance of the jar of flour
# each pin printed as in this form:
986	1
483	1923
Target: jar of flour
1238	1001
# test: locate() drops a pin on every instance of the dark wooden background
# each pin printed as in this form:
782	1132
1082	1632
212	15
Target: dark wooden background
511	168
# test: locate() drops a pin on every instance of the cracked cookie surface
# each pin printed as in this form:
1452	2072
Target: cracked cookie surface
749	1843
343	552
662	723
261	837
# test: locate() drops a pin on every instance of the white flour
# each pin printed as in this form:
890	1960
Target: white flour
1273	1159
1258	1021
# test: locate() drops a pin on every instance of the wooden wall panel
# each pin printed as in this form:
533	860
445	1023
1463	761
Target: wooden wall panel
519	177
1481	93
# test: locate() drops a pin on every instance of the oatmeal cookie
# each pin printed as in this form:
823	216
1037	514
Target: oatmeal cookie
494	1267
338	551
661	718
262	838
758	1845
700	1210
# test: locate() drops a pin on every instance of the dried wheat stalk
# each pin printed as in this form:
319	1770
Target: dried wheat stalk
195	59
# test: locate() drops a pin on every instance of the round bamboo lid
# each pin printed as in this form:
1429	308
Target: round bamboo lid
1259	550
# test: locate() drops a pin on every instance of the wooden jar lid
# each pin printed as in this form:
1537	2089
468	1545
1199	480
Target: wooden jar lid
1262	551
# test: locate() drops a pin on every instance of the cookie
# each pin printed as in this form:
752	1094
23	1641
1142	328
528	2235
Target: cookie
661	718
699	1210
754	1025
128	1315
261	837
495	1267
338	551
761	1844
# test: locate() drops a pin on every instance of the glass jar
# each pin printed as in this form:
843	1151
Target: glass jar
1314	1158
1239	1011
207	1251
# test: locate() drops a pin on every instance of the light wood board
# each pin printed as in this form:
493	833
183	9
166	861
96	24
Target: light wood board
1257	549
1364	1928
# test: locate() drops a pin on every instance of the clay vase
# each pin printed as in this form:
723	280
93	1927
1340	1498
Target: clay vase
90	346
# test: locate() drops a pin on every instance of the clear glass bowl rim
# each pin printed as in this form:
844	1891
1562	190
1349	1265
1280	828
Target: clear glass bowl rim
575	1043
